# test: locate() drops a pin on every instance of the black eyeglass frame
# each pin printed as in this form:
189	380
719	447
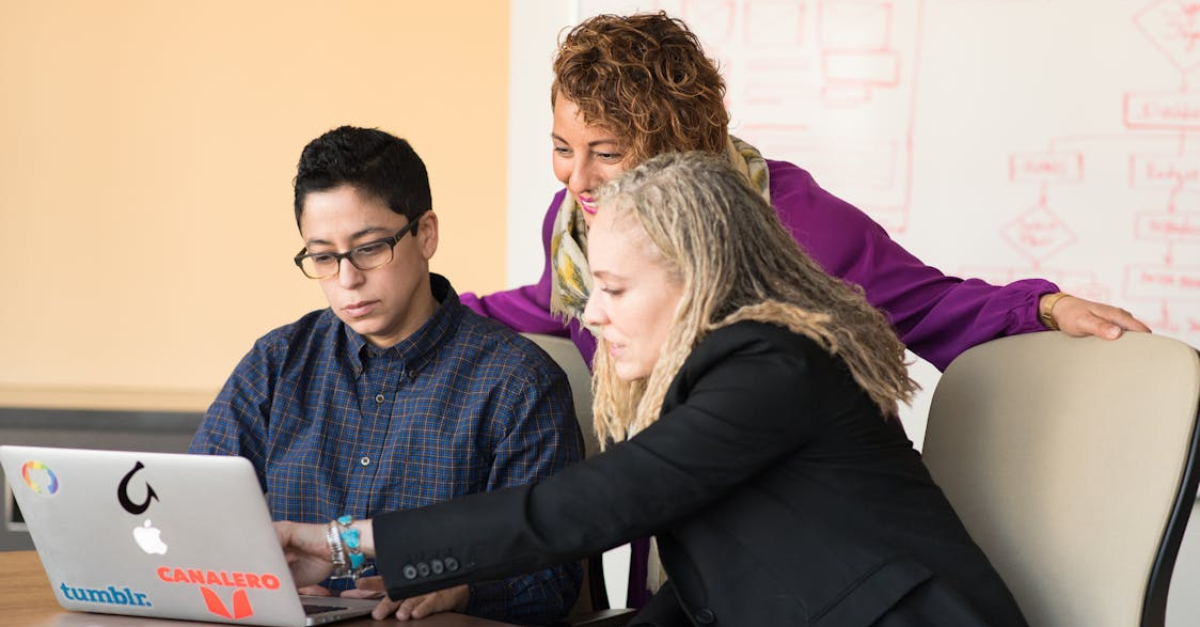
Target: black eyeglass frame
349	254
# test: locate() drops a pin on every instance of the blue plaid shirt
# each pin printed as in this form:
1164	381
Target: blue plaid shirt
337	426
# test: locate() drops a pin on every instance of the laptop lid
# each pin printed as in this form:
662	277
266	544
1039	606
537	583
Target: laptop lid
159	535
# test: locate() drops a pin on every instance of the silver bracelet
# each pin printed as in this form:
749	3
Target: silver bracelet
345	551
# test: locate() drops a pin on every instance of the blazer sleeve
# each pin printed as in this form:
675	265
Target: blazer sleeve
747	402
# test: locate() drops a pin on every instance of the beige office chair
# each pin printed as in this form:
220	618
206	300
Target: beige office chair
592	609
1072	462
566	355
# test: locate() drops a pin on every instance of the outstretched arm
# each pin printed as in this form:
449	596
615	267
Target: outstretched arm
729	429
937	316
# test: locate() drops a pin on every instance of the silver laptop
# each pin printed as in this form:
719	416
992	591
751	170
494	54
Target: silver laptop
160	535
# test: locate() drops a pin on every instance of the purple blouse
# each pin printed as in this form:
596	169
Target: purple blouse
936	316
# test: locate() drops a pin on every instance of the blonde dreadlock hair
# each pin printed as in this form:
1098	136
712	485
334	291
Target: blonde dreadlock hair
736	262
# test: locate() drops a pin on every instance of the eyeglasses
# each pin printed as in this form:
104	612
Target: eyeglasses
365	257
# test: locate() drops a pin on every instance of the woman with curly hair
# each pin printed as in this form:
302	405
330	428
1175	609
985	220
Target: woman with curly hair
629	88
752	401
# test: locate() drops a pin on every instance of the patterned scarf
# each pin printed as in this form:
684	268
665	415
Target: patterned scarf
571	281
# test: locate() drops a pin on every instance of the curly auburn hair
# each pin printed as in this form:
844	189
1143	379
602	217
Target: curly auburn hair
646	79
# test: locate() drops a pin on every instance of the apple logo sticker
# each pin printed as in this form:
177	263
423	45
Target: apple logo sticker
148	539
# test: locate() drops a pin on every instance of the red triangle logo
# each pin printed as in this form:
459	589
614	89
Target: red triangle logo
241	604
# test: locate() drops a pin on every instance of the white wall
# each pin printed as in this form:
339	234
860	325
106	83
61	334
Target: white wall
535	26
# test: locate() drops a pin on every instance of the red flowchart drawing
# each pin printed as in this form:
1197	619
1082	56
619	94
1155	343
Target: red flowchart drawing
856	43
774	23
1166	170
779	84
714	18
1175	111
1079	283
1173	26
1046	168
1038	234
1168	226
839	101
846	96
1168	283
859	171
1090	290
878	69
864	25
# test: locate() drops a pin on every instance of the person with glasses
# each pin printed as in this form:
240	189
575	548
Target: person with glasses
395	396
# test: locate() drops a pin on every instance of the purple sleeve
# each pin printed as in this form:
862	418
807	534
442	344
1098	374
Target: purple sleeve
526	309
937	316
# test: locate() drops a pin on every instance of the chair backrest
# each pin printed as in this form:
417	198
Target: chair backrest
591	607
566	355
1071	461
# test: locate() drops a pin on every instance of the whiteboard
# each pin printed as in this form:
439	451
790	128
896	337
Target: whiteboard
998	139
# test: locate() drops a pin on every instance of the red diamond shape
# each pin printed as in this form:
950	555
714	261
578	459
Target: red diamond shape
1038	234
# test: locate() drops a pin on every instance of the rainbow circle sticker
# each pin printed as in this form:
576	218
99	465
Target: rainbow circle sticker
27	474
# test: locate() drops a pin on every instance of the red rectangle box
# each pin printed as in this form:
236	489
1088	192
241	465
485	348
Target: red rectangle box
871	68
1163	226
1179	111
855	25
1046	167
1164	170
1176	284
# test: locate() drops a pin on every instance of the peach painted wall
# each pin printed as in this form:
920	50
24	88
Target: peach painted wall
146	156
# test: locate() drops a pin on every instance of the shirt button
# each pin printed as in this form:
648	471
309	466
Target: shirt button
379	398
412	374
365	461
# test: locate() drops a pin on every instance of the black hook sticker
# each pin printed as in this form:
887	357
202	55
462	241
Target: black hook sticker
123	494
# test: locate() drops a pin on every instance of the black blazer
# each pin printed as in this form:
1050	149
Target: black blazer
777	493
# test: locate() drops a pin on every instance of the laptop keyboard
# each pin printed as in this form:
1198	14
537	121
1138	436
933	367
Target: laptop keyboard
313	608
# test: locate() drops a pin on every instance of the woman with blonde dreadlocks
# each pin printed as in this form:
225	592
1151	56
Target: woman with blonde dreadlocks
751	402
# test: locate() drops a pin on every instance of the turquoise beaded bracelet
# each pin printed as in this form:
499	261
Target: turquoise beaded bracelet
344	543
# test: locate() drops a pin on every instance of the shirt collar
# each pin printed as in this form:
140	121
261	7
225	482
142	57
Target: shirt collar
418	348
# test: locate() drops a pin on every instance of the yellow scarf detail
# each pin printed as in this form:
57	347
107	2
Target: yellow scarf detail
571	280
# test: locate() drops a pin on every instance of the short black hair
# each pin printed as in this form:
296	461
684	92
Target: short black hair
374	162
